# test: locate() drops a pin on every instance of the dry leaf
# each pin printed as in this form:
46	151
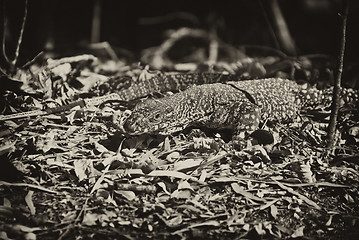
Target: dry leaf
186	164
90	219
240	190
168	173
83	169
274	211
129	195
30	203
298	232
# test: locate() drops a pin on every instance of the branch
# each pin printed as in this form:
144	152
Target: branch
280	26
40	54
96	22
4	34
13	63
270	27
337	83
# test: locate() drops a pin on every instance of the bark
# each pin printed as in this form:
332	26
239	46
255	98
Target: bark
337	82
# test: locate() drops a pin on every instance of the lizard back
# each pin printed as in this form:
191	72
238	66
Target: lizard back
162	83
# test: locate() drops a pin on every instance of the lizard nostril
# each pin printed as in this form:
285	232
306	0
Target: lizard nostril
128	127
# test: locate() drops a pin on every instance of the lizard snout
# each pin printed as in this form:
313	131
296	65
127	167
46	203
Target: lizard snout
128	127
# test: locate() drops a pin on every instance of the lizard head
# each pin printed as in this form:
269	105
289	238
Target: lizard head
152	116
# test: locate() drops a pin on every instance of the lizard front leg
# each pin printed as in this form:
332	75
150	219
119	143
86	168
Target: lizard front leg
248	122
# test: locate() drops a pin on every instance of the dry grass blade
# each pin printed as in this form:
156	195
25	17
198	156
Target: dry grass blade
304	198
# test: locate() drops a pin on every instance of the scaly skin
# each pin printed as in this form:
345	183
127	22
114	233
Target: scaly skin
171	82
236	105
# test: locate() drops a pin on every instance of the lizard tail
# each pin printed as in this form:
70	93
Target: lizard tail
315	98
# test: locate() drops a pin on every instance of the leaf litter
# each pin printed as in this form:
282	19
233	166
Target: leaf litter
82	177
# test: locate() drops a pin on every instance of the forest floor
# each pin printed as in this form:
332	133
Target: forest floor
73	175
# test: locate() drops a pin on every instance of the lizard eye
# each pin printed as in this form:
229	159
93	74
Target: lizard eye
157	116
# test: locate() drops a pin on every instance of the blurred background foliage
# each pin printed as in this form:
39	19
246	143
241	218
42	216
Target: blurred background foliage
64	25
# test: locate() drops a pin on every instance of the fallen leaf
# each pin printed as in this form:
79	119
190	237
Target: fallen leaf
168	173
203	176
298	232
304	198
182	194
211	223
6	148
83	168
173	156
90	219
186	164
25	229
174	221
274	211
129	195
30	203
164	188
329	222
240	190
184	185
259	229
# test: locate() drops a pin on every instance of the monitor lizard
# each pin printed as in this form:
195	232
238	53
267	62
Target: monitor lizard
239	106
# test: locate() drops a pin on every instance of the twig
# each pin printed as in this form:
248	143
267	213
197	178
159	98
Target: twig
265	48
3	71
283	35
76	220
270	27
96	22
32	60
213	42
107	47
13	63
29	186
84	206
304	198
337	83
4	34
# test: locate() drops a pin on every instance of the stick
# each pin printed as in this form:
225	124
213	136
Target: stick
282	31
337	82
96	22
4	34
13	63
33	60
32	186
